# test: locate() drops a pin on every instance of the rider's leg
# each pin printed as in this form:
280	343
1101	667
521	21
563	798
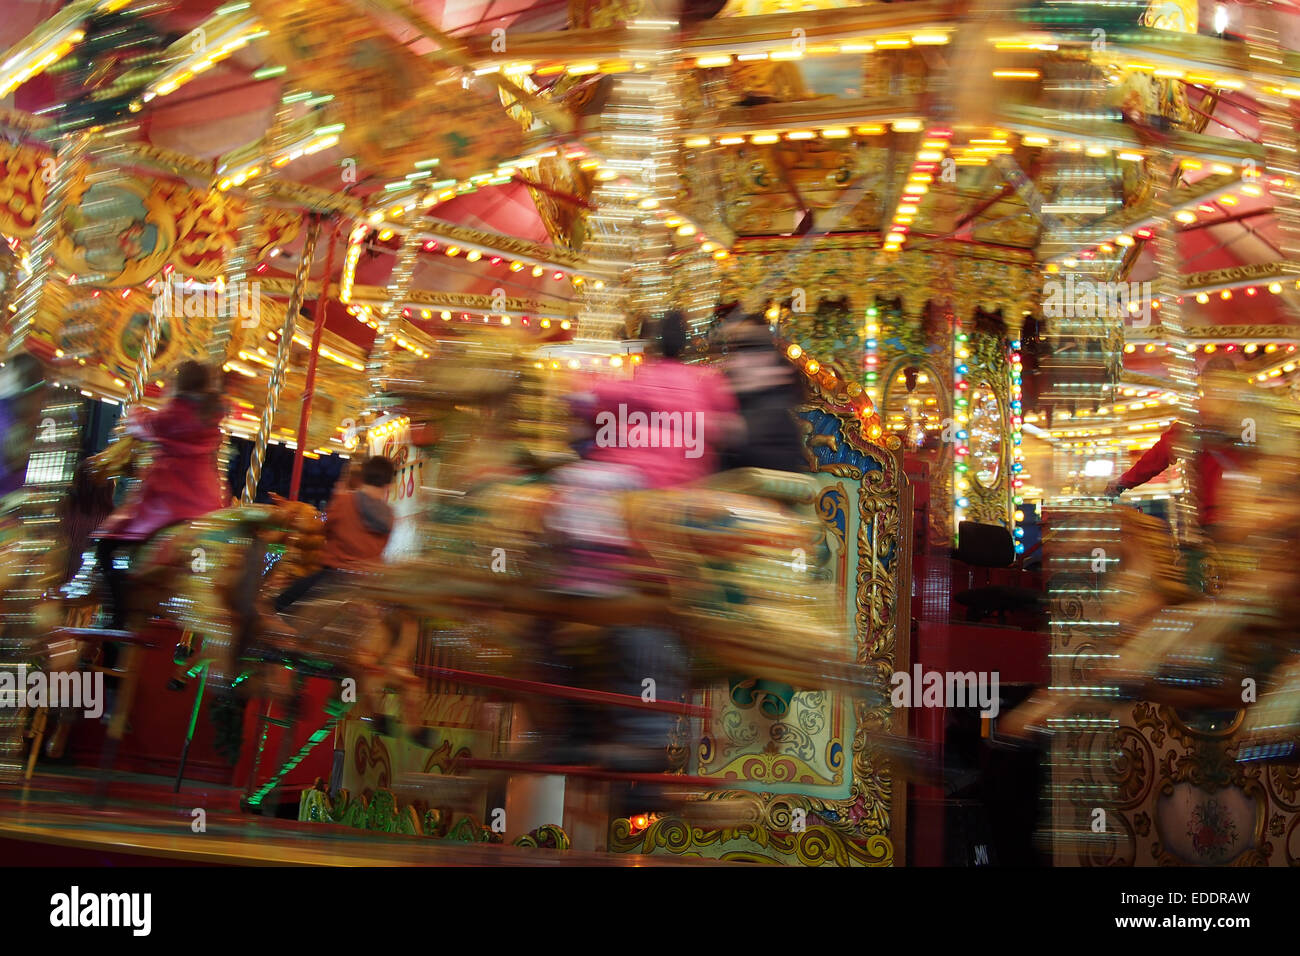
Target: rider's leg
299	589
115	578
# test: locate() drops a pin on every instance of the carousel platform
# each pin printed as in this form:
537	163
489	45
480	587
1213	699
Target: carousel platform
57	820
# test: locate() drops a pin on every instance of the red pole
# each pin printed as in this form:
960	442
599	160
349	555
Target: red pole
309	389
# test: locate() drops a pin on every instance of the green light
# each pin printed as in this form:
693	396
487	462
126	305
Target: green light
266	72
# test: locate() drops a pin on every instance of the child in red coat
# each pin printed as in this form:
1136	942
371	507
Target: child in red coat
182	482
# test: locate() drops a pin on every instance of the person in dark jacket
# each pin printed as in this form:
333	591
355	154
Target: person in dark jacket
767	391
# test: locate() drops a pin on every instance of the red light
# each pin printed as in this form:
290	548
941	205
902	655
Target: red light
1229	348
430	246
126	293
1250	290
1143	233
923	167
524	320
1017	483
939	133
495	260
962	386
962	450
406	313
260	268
558	276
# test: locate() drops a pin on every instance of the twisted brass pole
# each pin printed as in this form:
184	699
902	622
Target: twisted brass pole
281	362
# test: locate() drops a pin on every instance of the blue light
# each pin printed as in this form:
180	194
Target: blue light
963	502
1015	346
1017	467
1020	532
1016	406
962	434
871	343
1020	547
962	370
1016	440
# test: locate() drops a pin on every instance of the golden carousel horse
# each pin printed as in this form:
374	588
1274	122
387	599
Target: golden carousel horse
1195	650
731	563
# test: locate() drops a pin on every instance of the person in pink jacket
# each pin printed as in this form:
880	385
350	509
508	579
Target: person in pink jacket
671	421
182	482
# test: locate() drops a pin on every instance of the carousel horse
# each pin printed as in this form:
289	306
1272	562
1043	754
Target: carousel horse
730	563
1192	650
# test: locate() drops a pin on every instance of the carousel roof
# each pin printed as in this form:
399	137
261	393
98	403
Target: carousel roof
526	153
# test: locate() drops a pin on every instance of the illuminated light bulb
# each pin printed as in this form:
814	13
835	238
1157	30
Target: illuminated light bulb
473	256
537	271
812	367
1210	349
558	275
616	361
686	230
446	316
1202	298
453	251
565	325
546	323
1225	295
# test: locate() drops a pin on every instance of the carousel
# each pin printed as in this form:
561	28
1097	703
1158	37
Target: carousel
1033	268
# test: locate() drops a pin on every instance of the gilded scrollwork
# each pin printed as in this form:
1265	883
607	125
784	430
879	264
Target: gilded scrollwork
990	371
